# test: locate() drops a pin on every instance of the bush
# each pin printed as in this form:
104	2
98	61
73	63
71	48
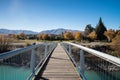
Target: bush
116	44
4	44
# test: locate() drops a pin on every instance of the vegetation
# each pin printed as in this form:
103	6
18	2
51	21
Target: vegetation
88	29
92	36
116	44
4	44
78	36
110	34
68	36
100	29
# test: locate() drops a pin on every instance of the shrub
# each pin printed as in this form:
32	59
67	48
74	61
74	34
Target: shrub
4	44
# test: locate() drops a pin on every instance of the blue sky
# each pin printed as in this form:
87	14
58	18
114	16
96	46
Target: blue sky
38	15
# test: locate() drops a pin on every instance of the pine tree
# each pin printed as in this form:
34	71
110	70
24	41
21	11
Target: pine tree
100	29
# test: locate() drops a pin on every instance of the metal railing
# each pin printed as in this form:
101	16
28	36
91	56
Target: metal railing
106	66
29	58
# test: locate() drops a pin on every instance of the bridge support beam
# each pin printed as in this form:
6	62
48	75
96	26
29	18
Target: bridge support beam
32	62
82	62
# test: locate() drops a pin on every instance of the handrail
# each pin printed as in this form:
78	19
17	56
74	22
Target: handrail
74	63
107	57
41	63
16	52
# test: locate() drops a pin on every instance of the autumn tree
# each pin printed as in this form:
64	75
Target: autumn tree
14	36
100	29
88	29
45	37
110	34
22	36
39	37
68	35
92	35
116	44
78	36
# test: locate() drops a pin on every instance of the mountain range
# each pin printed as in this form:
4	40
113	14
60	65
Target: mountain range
53	31
7	31
58	31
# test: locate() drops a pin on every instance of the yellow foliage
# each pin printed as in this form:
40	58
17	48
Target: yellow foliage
45	36
68	36
22	36
93	35
116	44
110	34
78	36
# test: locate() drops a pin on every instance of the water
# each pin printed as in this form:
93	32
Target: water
92	75
13	73
21	73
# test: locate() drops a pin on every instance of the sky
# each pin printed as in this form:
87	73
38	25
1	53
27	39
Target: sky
39	15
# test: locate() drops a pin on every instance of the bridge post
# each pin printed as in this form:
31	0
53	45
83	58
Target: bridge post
45	49
82	62
69	49
32	64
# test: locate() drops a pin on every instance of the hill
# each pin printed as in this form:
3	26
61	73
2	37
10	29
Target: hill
52	31
7	31
57	31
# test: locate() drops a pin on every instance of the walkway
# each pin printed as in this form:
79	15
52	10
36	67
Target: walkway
60	66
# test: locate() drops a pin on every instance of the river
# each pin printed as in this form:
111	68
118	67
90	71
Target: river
92	75
13	73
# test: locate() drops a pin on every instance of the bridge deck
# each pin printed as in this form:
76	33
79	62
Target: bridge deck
60	66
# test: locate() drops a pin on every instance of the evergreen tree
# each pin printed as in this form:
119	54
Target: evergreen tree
100	29
88	29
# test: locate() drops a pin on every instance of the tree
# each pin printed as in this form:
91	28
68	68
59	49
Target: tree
51	37
92	35
110	34
39	37
88	29
22	36
116	44
15	36
45	37
100	29
62	36
78	36
68	36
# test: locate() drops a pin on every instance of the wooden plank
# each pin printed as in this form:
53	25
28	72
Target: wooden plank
60	67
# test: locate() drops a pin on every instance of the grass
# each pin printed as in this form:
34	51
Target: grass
25	41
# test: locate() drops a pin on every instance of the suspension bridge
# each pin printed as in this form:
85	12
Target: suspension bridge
59	61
